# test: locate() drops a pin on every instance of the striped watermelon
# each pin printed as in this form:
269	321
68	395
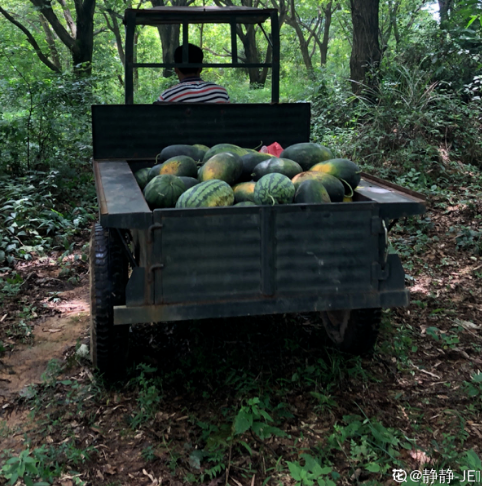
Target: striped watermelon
274	189
142	177
208	194
163	191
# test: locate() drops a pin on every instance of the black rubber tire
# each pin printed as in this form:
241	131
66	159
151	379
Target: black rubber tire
108	278
361	331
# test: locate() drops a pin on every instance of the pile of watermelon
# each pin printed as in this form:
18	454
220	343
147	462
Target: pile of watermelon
192	176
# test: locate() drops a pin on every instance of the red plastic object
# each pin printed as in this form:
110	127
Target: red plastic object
273	149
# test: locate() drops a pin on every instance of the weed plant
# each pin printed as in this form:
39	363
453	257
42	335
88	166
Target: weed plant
409	122
39	214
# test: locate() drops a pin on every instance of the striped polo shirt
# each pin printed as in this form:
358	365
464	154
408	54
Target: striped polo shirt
194	90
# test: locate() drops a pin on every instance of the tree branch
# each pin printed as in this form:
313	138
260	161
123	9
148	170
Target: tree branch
54	54
68	18
114	27
45	8
31	40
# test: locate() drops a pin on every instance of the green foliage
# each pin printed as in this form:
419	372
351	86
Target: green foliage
310	473
254	416
38	212
409	121
148	398
25	467
473	388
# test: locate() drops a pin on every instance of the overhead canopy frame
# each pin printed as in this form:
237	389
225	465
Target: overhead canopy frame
202	15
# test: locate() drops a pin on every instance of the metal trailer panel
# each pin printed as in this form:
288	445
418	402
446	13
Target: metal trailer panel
208	256
392	294
142	131
318	250
221	254
121	202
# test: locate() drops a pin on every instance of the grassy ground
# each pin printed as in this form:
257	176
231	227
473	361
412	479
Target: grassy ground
266	400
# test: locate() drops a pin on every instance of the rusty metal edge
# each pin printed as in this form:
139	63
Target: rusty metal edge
395	187
124	315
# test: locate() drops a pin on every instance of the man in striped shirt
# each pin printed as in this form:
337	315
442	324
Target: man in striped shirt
191	88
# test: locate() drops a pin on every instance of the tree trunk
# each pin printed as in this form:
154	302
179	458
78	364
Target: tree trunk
444	7
328	11
169	35
81	42
304	44
365	55
83	47
252	56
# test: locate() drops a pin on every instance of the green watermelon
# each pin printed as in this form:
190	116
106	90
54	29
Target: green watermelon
210	193
181	165
202	149
312	191
189	181
250	161
224	166
344	169
244	191
306	154
142	177
333	185
245	203
281	166
224	147
274	189
176	150
163	191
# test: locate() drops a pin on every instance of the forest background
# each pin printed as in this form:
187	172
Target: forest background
394	85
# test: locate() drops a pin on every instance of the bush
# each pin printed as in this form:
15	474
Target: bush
410	121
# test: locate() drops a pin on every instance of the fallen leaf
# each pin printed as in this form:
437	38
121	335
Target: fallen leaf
466	324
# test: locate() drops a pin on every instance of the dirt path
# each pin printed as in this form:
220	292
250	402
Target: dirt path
53	337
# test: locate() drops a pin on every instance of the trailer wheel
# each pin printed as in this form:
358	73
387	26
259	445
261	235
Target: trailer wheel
353	331
108	279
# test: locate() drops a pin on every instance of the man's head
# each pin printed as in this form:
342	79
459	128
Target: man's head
195	55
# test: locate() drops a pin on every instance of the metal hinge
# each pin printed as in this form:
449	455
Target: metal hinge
151	229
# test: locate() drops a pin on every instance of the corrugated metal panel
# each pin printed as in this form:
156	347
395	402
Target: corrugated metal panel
214	255
320	251
142	131
211	257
